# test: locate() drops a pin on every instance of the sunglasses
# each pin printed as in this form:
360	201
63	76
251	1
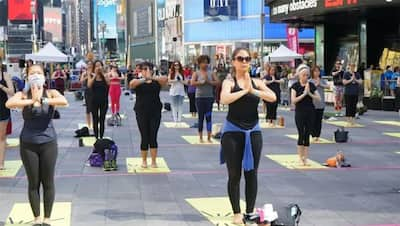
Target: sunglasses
242	59
145	69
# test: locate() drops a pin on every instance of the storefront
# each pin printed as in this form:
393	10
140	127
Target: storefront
216	28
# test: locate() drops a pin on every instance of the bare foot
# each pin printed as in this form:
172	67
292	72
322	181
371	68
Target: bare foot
154	165
209	140
144	165
201	140
238	219
2	168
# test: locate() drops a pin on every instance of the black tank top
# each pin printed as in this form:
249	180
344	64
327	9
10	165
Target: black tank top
100	91
148	98
4	112
38	126
244	111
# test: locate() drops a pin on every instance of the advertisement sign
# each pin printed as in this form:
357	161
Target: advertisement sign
142	22
220	10
53	23
20	10
292	35
107	13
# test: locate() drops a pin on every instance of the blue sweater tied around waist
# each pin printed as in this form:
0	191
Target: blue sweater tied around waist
248	159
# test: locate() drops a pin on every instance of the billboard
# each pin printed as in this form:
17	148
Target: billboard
53	23
19	10
220	10
107	14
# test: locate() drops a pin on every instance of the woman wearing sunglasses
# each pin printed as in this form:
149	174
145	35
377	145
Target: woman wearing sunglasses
241	141
204	80
148	108
38	140
177	90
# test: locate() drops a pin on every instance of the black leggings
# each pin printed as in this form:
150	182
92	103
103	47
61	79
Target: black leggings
317	123
148	126
39	161
204	107
271	110
192	102
233	147
304	123
99	111
351	105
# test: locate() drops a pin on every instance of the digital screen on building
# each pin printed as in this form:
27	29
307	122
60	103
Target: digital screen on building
220	10
20	10
53	23
107	15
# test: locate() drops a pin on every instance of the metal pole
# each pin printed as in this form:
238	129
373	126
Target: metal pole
97	31
262	22
34	33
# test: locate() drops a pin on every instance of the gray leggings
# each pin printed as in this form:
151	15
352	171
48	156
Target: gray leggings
39	161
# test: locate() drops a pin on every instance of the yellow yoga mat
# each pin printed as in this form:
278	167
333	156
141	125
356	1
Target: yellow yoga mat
176	125
391	123
21	214
344	124
186	100
217	210
11	168
398	152
321	140
123	116
293	162
397	135
12	142
188	116
265	125
134	165
89	141
284	108
220	110
195	140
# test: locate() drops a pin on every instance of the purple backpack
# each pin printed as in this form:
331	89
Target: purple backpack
95	160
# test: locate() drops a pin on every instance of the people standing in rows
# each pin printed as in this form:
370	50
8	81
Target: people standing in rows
38	140
352	81
177	90
6	90
99	84
204	80
59	78
148	108
115	89
88	92
241	141
303	94
263	74
319	105
337	74
191	92
273	81
221	75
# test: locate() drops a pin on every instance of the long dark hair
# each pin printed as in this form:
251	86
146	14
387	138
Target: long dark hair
314	68
103	77
173	69
234	54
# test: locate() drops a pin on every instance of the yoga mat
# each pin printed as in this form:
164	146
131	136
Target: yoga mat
321	140
186	100
284	108
344	124
220	110
195	140
123	116
11	168
21	214
188	116
176	125
293	162
89	141
390	123
134	165
12	142
265	125
397	135
217	210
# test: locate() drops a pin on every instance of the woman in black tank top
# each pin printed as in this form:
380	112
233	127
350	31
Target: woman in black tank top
6	89
242	94
38	141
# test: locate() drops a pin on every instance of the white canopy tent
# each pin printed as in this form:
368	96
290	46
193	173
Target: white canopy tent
81	64
49	53
282	54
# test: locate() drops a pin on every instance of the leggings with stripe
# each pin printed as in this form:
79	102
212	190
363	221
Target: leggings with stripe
204	107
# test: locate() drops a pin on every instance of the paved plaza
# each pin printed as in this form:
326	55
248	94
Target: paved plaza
365	195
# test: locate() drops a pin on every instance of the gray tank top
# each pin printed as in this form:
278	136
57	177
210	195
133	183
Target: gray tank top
38	126
205	90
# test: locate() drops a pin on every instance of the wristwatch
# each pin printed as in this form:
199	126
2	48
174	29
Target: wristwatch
44	100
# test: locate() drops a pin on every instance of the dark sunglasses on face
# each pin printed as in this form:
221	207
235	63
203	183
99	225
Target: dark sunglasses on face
242	59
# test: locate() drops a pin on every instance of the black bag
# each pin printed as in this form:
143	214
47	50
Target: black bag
288	216
82	132
56	114
115	120
78	95
341	136
167	106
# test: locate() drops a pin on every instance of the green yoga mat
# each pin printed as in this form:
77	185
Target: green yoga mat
397	135
12	142
390	123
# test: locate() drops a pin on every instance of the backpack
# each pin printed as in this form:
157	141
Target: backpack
167	106
82	132
341	136
288	216
115	120
103	150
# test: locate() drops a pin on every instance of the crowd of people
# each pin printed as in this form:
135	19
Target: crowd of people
239	89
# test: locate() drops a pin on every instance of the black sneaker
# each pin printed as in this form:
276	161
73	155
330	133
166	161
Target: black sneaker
107	165
113	165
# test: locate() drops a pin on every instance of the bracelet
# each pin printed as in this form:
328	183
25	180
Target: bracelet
256	93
